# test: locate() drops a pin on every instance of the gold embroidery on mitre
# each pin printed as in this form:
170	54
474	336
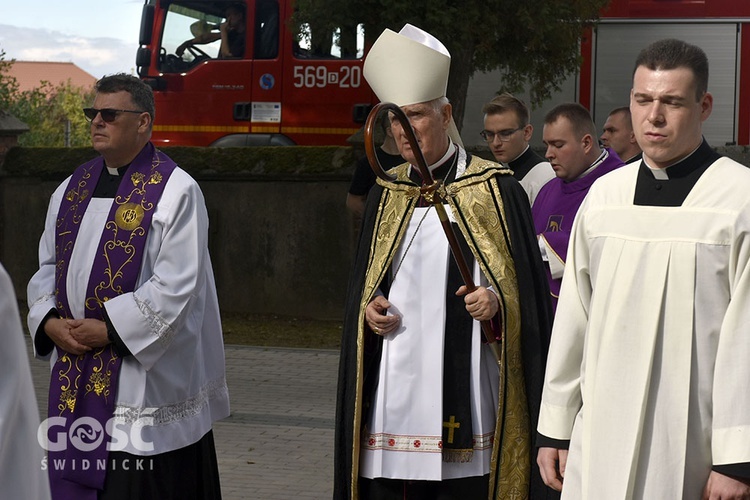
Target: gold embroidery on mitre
129	216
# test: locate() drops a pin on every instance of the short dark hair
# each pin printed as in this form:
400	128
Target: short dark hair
621	109
672	54
576	114
625	110
508	102
142	95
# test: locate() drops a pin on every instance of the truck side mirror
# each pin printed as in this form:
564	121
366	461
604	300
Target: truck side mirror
147	20
143	58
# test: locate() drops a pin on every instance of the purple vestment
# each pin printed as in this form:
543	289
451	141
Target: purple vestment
83	387
555	208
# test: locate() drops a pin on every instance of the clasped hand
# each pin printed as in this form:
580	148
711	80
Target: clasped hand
77	336
482	304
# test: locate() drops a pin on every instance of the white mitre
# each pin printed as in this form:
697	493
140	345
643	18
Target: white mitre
409	67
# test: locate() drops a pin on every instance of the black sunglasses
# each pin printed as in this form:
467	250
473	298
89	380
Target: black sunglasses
108	114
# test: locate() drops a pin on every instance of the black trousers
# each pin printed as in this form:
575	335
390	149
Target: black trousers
190	473
466	488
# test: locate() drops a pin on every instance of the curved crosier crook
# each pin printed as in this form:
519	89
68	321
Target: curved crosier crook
410	136
429	188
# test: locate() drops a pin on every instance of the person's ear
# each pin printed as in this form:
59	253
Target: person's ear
447	114
707	105
587	141
144	122
527	131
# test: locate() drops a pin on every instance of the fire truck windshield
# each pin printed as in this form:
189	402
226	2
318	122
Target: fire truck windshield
191	34
196	31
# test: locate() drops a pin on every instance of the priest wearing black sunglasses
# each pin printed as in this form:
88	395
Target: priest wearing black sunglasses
124	307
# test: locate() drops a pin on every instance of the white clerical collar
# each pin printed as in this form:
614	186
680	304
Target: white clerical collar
661	174
603	156
113	171
448	153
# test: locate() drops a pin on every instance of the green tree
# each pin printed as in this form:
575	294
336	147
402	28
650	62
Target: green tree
8	84
534	43
46	110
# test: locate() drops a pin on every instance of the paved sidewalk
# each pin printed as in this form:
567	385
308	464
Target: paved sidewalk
278	442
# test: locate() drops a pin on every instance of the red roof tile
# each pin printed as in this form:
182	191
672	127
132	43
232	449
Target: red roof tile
30	74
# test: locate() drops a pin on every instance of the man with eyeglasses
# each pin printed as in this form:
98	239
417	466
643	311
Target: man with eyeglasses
507	131
578	161
124	307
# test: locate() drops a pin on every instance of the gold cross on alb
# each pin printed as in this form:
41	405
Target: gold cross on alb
452	425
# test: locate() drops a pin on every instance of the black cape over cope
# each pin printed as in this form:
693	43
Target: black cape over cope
536	321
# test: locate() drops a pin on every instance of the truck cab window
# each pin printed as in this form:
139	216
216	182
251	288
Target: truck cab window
183	24
342	42
266	29
198	31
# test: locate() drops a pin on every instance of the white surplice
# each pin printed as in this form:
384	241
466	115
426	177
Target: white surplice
539	175
22	473
404	431
649	361
173	386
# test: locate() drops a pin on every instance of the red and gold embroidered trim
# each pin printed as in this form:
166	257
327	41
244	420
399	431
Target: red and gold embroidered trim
423	444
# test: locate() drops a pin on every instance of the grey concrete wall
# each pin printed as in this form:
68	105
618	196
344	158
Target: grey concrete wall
278	245
282	247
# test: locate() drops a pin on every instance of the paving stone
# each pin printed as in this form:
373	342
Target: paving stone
277	444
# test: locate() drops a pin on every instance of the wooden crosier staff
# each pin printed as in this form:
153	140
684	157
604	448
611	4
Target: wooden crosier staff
429	191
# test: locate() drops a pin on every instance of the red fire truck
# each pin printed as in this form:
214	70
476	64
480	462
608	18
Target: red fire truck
720	27
282	83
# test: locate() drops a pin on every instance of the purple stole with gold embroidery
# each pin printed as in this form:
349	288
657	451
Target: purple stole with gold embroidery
85	385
